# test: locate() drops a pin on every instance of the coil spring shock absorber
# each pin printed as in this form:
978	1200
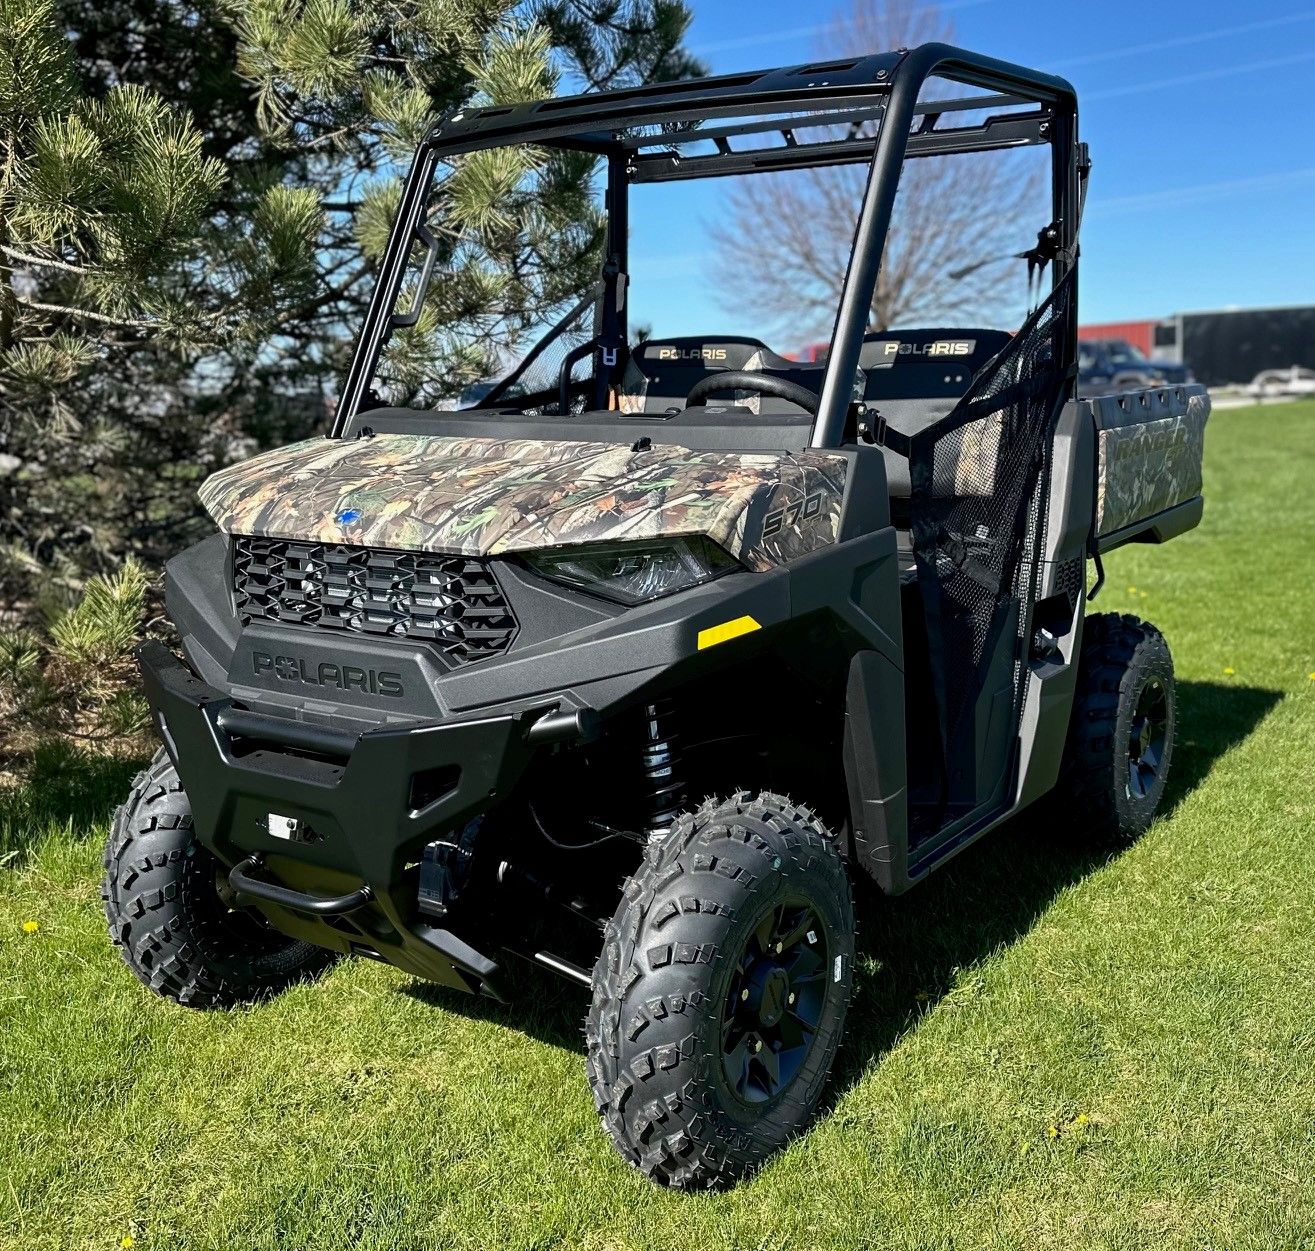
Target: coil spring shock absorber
662	780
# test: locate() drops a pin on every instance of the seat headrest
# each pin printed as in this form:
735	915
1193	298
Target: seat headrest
894	348
695	352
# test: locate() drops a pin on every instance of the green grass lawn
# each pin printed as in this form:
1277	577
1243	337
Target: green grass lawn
1049	1047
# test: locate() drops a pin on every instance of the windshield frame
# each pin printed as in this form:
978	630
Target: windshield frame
606	123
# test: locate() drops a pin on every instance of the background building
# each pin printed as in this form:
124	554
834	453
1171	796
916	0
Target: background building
1222	346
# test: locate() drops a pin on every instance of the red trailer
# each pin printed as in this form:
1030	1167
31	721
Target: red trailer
1141	334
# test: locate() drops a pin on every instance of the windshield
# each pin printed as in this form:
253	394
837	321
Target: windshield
607	253
738	272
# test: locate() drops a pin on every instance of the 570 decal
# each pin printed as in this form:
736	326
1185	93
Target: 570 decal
792	514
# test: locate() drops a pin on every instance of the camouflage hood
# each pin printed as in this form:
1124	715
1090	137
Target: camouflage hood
483	497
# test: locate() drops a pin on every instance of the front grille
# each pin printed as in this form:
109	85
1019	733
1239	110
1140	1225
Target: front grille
451	601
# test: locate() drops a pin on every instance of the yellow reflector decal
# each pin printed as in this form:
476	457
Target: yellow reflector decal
727	630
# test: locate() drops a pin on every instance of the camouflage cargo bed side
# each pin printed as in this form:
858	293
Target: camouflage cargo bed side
484	497
1149	457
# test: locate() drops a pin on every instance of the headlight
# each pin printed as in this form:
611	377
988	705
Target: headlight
634	573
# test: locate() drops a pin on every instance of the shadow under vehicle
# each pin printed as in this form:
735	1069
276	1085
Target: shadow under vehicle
453	682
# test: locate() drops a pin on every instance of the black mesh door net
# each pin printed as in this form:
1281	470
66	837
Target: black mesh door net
975	475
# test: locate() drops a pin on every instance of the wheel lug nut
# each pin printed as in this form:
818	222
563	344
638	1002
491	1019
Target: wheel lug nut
758	1044
779	949
790	1000
744	994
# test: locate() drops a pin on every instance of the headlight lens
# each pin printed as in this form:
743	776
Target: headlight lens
634	573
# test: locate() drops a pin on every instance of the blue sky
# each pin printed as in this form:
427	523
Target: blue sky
1200	117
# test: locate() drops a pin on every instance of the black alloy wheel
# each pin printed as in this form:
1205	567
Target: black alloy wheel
1121	731
774	1005
1147	738
721	991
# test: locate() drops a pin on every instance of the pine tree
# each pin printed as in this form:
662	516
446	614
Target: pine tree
224	263
358	86
105	203
99	194
73	677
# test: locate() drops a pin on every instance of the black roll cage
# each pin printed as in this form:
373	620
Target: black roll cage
884	88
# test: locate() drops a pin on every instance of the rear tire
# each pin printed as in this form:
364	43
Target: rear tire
721	991
168	917
1121	736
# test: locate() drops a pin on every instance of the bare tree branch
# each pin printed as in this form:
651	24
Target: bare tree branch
784	243
43	262
86	314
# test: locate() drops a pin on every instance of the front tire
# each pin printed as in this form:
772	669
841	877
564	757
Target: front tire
721	991
167	913
1121	735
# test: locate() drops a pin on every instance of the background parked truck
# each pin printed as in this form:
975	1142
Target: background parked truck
1220	347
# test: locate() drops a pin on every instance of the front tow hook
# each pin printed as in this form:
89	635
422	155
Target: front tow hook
243	883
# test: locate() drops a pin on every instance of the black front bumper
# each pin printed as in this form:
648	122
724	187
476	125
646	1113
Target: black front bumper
366	804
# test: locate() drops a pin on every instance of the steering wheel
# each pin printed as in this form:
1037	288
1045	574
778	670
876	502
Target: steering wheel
752	380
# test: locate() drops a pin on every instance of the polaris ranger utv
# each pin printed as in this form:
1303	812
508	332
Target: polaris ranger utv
536	678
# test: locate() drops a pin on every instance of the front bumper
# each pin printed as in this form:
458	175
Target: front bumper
365	805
